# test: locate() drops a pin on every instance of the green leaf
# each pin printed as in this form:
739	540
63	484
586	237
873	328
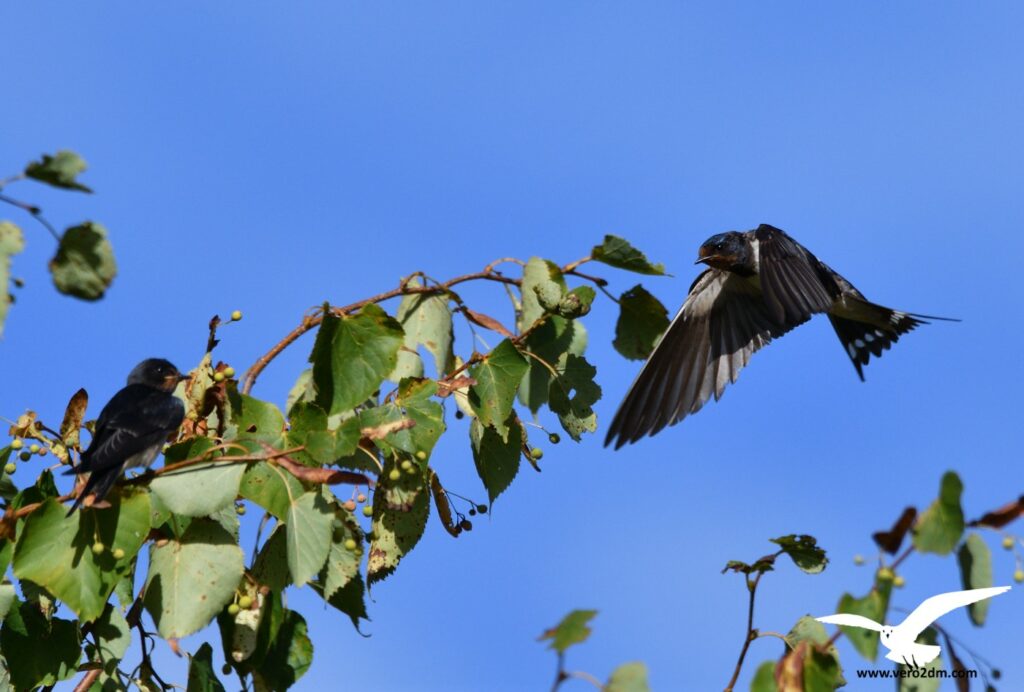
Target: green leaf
59	170
412	402
497	377
874	605
817	668
400	510
573	629
191	579
764	678
55	551
619	253
256	420
11	243
114	636
577	302
271	487
427	321
629	677
573	394
39	651
84	266
349	600
271	567
642	321
496	459
975	561
308	428
7	599
804	552
309	522
552	342
200	490
352	356
342	566
939	528
289	656
201	677
542	288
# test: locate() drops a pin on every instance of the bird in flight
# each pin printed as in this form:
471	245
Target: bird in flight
759	285
132	427
901	640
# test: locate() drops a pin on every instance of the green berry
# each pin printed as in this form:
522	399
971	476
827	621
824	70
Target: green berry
898	581
98	548
236	315
395	474
421	455
245	602
118	554
11	467
858	559
218	377
360	498
368	511
412	470
34	448
240	510
472	511
25	456
43	451
536	453
885	574
350	544
16	444
1008	542
482	509
233	609
1018	576
350	505
554	439
406	464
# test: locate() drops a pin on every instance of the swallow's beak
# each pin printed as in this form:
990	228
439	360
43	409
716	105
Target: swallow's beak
184	378
704	254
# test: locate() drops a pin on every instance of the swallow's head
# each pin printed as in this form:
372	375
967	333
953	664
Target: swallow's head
729	251
156	373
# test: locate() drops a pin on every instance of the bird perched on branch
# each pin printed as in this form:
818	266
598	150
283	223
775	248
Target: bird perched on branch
759	285
132	427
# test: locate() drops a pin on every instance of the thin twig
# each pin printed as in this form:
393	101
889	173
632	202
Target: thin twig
751	635
35	211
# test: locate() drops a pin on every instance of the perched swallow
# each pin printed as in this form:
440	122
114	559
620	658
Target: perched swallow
760	285
132	427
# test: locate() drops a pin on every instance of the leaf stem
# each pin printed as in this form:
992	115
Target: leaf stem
35	211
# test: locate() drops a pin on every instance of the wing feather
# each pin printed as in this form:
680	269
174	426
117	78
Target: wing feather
931	609
850	620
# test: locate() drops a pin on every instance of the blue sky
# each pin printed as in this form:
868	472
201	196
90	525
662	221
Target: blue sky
267	157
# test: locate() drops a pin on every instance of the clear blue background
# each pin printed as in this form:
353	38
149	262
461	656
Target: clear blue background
268	156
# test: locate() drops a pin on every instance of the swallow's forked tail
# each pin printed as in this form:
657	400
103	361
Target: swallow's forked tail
866	329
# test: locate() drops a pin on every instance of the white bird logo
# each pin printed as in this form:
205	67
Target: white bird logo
901	640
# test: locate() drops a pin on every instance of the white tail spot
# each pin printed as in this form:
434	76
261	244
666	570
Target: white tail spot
859	343
852	351
869	338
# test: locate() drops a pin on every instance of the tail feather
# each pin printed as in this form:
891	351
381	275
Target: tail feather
99	484
866	329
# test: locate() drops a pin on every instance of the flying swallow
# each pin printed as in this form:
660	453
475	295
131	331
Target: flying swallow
132	427
759	285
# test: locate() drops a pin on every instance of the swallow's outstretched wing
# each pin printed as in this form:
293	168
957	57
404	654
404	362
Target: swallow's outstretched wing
723	321
850	620
795	284
134	421
931	609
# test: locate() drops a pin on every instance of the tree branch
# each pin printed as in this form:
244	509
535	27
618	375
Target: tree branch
751	633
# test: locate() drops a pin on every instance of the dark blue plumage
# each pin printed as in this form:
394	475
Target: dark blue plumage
132	427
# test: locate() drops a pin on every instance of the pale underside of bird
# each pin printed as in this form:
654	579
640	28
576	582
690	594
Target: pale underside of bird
901	640
760	285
